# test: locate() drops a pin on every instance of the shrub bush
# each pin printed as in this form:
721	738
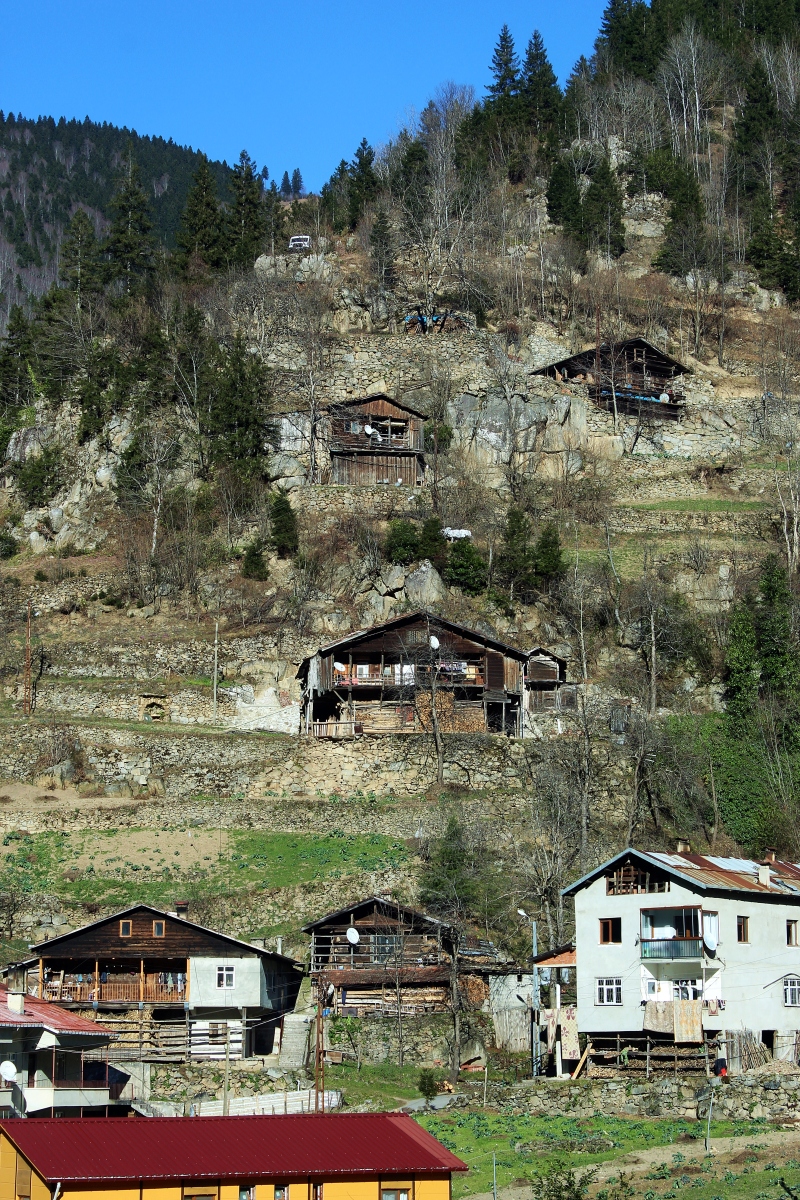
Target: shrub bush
38	479
465	568
8	545
253	564
402	542
284	527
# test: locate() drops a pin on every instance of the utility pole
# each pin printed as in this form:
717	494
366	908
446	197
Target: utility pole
319	1058
216	664
226	1092
27	685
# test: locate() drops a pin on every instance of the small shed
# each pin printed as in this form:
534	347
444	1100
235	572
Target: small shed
546	687
632	377
376	440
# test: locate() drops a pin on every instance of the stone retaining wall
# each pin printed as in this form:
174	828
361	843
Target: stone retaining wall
132	762
755	1096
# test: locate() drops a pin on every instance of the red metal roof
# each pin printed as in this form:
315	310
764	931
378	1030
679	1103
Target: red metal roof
97	1150
43	1014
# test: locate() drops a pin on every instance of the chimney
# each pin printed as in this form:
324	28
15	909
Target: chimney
16	1002
769	855
764	874
279	945
684	846
182	909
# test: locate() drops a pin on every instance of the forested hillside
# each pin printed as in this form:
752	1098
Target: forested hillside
167	399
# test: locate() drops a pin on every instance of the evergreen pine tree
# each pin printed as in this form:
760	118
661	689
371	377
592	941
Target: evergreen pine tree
602	212
766	249
247	215
381	245
432	544
516	561
286	187
233	419
130	243
201	235
274	218
505	67
80	266
16	352
253	564
297	184
466	568
548	554
757	123
539	88
564	197
364	182
628	42
777	645
284	535
402	542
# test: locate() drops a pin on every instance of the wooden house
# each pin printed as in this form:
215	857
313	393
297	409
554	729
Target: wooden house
376	440
338	1156
546	687
378	954
400	676
631	377
170	987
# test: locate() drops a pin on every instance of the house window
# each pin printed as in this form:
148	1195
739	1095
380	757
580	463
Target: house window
281	1191
610	930
687	989
791	991
609	991
225	977
247	1192
158	928
791	933
743	929
317	1191
125	928
394	1194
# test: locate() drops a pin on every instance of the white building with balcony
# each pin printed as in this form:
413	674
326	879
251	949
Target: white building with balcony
689	945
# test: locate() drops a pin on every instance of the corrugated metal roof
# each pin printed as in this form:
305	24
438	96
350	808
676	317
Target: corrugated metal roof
42	1014
709	872
97	1150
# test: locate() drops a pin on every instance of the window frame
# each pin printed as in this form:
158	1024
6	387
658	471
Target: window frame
610	922
163	932
223	971
791	933
605	984
742	930
281	1191
122	925
791	987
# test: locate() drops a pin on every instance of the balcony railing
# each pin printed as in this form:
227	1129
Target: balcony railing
672	948
85	993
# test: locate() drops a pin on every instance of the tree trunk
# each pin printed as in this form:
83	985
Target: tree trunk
455	1000
653	669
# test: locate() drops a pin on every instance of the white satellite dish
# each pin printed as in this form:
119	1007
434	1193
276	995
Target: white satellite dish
8	1070
434	643
353	936
368	430
711	942
339	666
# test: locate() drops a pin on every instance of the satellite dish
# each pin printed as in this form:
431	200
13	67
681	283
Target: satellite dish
711	942
434	643
353	936
368	430
339	666
8	1070
399	483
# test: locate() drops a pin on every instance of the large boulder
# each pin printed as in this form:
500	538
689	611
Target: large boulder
424	586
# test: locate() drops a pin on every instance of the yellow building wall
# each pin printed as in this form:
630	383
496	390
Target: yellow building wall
432	1189
8	1168
350	1189
100	1193
39	1189
167	1193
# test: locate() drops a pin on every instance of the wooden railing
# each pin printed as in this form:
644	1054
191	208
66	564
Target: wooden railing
79	993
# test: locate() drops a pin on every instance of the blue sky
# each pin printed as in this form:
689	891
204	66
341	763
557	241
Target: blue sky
296	84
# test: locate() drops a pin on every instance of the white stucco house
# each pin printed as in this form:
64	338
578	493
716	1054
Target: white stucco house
689	945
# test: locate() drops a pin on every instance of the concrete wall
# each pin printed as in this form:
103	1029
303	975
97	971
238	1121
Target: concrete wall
203	990
748	977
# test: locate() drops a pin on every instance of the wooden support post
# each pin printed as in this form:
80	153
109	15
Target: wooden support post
141	980
96	980
41	979
647	1065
